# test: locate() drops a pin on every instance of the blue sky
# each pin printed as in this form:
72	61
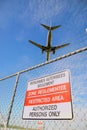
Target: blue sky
20	21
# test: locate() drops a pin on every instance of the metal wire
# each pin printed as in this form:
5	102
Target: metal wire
45	63
17	120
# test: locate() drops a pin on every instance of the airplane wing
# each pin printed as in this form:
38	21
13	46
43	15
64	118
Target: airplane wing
61	46
36	44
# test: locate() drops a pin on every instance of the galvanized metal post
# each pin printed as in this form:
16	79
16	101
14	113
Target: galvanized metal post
17	74
3	120
12	99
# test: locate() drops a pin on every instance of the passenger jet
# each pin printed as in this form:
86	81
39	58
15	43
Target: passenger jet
49	48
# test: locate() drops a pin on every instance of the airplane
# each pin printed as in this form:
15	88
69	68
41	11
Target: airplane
49	48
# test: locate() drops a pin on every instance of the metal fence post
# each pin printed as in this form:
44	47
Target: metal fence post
17	75
3	120
12	99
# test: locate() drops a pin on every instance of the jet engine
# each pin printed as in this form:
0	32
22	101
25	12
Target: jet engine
43	51
53	51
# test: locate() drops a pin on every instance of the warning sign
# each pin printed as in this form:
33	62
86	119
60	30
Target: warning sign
49	97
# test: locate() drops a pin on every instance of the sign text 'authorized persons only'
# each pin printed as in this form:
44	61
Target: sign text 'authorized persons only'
49	97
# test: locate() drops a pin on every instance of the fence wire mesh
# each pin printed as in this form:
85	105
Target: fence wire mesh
77	64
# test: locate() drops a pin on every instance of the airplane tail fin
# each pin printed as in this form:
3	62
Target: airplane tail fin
50	28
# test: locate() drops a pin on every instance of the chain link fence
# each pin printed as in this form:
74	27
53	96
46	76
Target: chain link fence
13	89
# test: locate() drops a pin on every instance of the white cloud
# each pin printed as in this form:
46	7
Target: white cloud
86	30
47	9
29	11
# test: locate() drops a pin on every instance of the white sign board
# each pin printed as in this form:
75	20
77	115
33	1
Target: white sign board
49	97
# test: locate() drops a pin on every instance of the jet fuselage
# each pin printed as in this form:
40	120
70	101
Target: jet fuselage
48	48
49	41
